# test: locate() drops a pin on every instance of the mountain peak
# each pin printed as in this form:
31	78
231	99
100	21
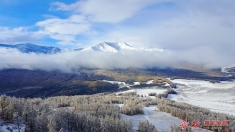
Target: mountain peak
110	47
118	46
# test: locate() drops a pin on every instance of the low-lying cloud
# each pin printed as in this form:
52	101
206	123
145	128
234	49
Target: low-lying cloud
66	61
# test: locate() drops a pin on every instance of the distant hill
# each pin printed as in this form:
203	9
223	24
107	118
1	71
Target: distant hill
38	83
33	48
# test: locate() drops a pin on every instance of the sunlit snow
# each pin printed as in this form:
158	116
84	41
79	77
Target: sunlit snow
218	97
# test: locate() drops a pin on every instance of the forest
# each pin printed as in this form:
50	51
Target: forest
96	113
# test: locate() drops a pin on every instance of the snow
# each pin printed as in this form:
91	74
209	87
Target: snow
119	105
145	91
110	47
167	84
122	84
217	97
149	82
118	46
104	47
7	127
225	69
29	48
136	83
161	120
124	45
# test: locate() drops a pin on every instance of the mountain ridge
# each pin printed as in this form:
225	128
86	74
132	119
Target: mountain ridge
116	47
33	48
101	47
110	47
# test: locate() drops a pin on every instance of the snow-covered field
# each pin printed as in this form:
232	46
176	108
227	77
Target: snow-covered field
218	97
161	120
121	84
11	127
146	90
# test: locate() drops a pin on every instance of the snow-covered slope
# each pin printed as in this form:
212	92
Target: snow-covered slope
110	47
116	47
103	47
230	69
218	97
29	48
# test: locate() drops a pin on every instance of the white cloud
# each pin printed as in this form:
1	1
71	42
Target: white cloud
194	29
208	7
16	35
64	30
112	11
66	61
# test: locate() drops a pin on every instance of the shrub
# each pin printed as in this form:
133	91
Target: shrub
152	94
146	127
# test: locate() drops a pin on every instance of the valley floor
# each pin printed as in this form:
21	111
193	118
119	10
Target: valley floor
161	120
217	97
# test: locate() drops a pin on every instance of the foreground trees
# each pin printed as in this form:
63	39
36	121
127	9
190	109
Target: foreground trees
146	127
70	114
94	113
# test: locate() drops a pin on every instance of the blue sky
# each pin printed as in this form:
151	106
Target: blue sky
168	24
26	14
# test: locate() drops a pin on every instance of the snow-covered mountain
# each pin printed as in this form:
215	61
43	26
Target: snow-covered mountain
101	47
29	48
110	47
116	47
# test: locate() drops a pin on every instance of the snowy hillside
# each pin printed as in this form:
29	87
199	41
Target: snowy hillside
110	47
116	47
29	48
230	69
103	47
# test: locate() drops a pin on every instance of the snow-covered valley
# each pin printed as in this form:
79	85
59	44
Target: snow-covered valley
161	120
217	97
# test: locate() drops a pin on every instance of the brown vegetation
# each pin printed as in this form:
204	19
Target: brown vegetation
146	127
190	113
92	113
